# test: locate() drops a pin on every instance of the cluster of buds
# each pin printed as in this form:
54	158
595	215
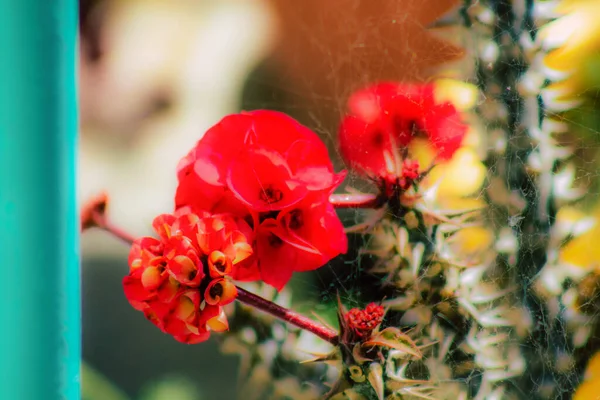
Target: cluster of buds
181	280
362	322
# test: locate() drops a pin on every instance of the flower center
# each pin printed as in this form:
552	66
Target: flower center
220	265
406	127
378	138
216	291
270	195
274	240
296	219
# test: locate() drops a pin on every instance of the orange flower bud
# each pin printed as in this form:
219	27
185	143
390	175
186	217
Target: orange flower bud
151	278
185	271
185	309
168	290
219	264
218	323
220	292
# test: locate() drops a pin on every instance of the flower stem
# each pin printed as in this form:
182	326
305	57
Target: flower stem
287	315
93	214
354	200
117	232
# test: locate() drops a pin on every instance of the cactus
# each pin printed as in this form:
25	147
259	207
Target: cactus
485	321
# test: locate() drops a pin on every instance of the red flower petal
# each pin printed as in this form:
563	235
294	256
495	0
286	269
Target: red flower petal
320	226
445	129
309	161
134	290
169	289
363	145
144	249
247	270
277	131
278	259
211	234
193	338
236	247
194	191
162	225
213	318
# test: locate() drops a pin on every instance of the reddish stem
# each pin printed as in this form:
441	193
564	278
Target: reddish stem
287	315
93	214
115	231
354	200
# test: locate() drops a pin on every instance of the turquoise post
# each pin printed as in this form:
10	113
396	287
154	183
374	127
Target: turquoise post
40	345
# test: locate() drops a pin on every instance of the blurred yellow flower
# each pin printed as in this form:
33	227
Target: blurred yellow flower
573	39
462	95
457	180
455	185
472	241
582	251
590	387
463	175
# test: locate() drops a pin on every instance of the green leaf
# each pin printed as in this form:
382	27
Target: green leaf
375	378
394	338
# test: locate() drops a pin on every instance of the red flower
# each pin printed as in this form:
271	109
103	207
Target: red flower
268	169
181	280
259	160
385	117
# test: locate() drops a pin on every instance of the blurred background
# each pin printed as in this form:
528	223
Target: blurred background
154	75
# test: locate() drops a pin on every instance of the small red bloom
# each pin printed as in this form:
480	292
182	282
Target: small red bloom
363	322
385	117
181	280
266	168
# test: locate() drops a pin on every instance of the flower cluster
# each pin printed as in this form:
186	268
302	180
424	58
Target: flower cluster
180	281
363	322
384	118
271	171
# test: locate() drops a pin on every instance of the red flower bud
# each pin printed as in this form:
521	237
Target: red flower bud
363	322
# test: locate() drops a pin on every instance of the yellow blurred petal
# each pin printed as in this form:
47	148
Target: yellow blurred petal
592	371
583	251
588	391
472	240
569	214
574	38
463	95
461	203
463	175
420	150
472	138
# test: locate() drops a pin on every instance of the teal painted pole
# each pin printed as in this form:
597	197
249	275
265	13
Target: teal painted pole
40	330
